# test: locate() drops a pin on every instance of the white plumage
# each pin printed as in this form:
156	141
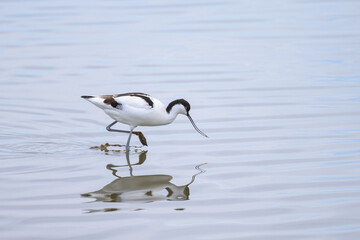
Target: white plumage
140	109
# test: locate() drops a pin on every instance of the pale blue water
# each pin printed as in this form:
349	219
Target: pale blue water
275	84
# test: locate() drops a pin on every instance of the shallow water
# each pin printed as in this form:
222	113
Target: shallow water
275	84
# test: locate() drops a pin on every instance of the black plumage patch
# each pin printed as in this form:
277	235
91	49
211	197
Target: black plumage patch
178	101
111	101
140	95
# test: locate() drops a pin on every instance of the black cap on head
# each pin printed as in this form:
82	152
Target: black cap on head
183	102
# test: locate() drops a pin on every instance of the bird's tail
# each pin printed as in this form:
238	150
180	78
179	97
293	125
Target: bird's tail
97	100
87	97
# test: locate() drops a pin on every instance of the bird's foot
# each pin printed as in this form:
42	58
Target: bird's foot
141	138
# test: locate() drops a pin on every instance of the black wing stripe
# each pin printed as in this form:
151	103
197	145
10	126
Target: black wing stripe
147	99
130	94
137	94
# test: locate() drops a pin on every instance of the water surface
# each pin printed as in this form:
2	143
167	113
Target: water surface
275	85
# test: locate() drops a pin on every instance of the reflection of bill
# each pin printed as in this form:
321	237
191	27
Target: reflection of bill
145	188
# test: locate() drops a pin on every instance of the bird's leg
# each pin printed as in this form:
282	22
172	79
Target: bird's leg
139	134
129	164
128	141
114	130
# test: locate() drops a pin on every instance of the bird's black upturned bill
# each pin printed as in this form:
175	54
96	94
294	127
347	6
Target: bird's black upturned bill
196	128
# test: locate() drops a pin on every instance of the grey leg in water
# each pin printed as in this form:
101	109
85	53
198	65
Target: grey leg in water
113	169
139	134
128	141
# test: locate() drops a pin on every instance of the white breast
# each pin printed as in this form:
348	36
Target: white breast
135	111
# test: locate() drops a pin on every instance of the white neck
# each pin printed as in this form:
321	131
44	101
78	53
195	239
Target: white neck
174	111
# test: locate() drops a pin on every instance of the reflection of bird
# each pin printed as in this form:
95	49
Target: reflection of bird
145	188
140	109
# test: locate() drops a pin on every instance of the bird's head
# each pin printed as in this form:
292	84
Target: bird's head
181	106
